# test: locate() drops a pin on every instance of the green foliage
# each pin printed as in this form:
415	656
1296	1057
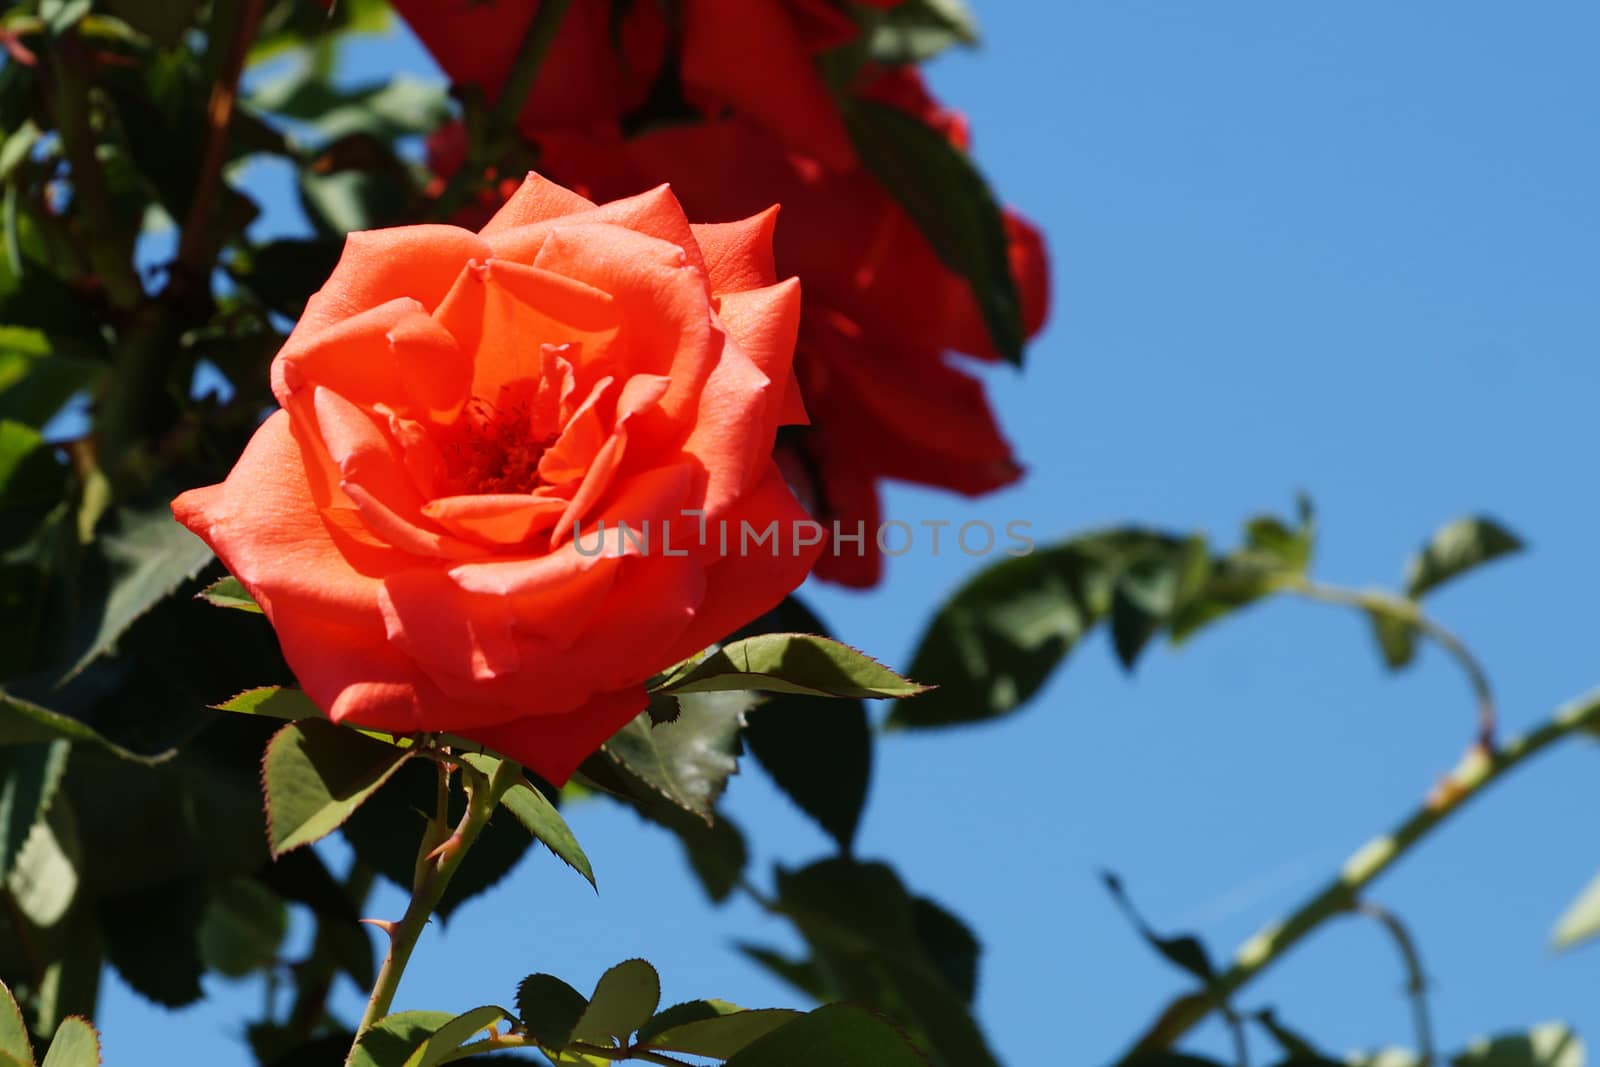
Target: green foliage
315	775
1581	921
1547	1045
863	928
918	30
952	205
623	1000
840	1035
805	664
228	593
1458	547
685	762
539	817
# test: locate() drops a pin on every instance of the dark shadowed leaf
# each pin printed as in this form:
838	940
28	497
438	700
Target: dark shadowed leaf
839	1035
1397	639
1456	548
687	761
550	1009
820	753
152	937
1546	1045
952	205
243	926
711	1028
804	975
862	925
316	774
1184	952
150	556
29	776
23	722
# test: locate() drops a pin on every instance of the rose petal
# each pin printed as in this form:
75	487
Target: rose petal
739	254
552	746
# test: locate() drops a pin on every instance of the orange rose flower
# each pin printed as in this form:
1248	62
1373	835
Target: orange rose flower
461	411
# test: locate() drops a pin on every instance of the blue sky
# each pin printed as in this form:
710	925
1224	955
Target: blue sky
1345	248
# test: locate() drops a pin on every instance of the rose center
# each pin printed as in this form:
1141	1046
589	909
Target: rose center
499	451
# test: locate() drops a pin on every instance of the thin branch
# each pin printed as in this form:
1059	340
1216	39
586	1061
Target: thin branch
1416	979
1476	772
1409	612
195	250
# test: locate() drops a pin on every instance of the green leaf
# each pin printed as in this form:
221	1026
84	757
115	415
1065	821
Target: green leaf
29	776
75	1045
40	373
839	1035
316	773
273	702
817	749
1456	548
243	927
624	999
1396	637
46	874
1545	1045
711	1028
394	1038
996	641
951	204
453	1034
1184	952
1581	921
229	593
687	761
14	1040
550	1009
152	937
949	944
23	722
917	30
151	555
541	819
862	925
787	663
717	853
804	975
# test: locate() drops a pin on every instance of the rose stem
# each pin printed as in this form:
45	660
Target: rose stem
438	859
1476	772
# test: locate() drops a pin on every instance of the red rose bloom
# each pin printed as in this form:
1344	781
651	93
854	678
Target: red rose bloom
753	56
455	404
881	314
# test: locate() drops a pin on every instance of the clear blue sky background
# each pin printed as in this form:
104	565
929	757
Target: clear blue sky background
1348	248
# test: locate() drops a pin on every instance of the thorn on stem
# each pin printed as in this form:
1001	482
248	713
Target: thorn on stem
383	924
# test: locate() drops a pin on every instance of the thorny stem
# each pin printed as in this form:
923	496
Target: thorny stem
1405	610
1416	980
439	857
1477	771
